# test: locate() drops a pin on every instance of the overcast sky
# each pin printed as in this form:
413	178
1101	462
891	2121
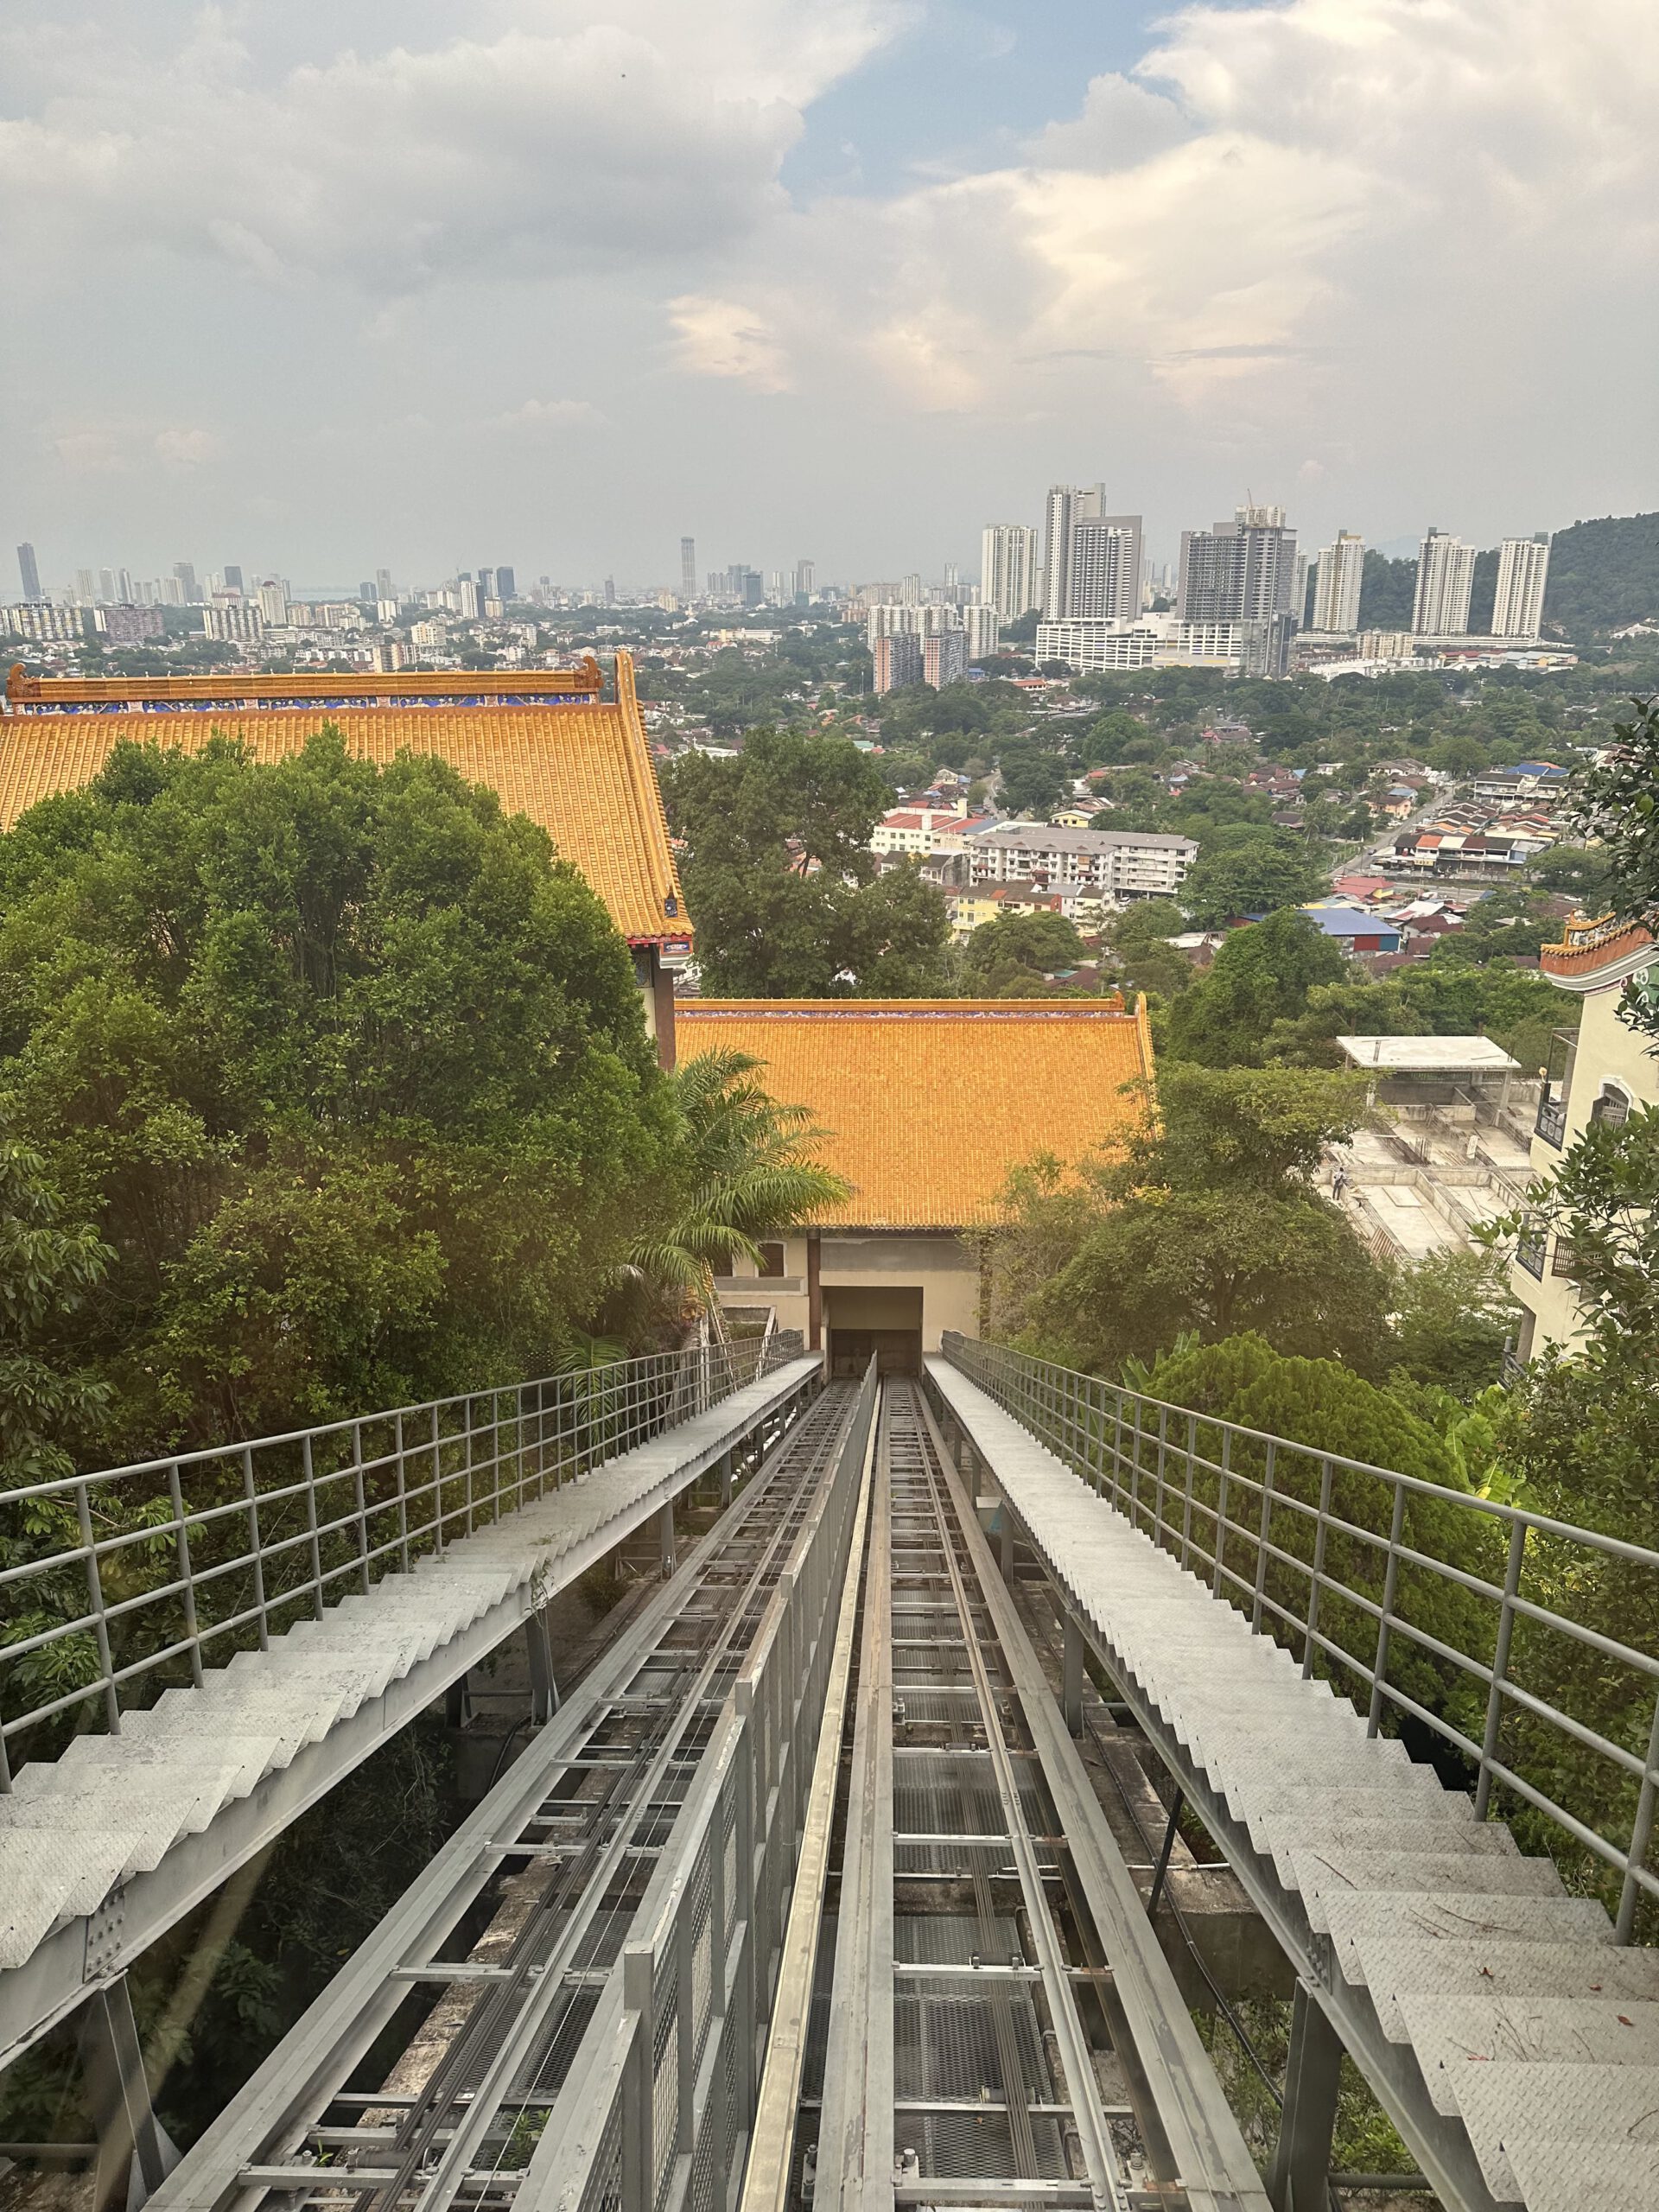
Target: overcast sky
323	285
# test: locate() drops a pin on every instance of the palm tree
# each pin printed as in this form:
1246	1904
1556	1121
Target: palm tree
751	1173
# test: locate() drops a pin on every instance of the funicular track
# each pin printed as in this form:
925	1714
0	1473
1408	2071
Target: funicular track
560	1857
995	2023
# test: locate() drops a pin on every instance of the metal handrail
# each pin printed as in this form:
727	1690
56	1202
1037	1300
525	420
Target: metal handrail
115	1584
1443	1615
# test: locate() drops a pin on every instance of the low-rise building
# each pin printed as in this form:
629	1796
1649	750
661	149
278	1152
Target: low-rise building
1530	782
1596	1073
929	1105
1116	863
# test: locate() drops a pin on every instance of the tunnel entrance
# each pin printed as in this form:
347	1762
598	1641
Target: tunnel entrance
879	1319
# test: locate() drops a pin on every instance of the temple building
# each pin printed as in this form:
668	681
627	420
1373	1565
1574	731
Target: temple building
927	1105
551	743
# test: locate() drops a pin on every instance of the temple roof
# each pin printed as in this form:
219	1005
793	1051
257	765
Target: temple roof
578	765
930	1102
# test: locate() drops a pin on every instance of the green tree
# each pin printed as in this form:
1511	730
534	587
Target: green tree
1618	802
749	1173
1032	782
345	1067
1323	1407
1031	946
787	897
1453	1314
1206	1224
1260	977
1252	872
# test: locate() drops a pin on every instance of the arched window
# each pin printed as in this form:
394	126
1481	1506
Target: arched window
1612	1105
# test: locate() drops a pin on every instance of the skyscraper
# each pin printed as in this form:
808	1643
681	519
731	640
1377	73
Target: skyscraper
1523	572
981	629
1336	590
487	584
688	568
1007	568
382	583
273	602
106	586
30	571
805	572
85	587
233	577
944	657
1091	560
506	585
1446	572
186	573
897	661
1240	571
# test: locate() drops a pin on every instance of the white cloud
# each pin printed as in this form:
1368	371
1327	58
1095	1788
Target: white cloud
185	449
1278	200
717	338
89	453
578	134
550	415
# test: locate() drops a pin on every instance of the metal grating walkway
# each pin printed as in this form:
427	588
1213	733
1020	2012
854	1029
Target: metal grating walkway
1514	2043
102	1848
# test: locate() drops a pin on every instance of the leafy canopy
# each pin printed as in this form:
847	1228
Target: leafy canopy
779	873
344	1067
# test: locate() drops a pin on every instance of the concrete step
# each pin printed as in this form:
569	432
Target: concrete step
1395	1967
1451	2035
1570	2174
1511	2103
1322	1875
1458	1917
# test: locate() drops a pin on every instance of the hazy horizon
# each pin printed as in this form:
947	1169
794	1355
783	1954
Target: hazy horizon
333	288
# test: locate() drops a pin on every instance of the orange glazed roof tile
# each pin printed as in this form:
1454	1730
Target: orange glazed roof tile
929	1103
582	772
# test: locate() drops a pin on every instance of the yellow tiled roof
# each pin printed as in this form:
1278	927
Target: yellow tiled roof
583	772
929	1103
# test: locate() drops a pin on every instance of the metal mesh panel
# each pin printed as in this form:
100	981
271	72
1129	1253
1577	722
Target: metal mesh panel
701	1958
968	2142
602	2191
947	2044
665	2089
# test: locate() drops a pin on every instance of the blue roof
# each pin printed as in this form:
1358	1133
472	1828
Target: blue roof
1347	921
1530	768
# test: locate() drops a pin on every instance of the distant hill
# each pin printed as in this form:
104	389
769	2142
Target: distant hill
1602	574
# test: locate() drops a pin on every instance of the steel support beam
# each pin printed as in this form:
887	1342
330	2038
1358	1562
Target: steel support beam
134	2153
1300	2179
1073	1688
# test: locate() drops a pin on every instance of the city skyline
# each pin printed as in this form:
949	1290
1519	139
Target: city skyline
847	278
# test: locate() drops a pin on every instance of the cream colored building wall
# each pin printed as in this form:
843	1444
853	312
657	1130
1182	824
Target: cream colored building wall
938	1263
1607	1050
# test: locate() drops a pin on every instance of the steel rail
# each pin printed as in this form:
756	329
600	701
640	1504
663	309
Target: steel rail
1107	2179
766	2177
269	2122
515	2016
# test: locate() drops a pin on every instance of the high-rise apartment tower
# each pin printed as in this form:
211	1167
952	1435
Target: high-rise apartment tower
1446	574
1523	572
29	569
688	569
1336	589
1239	571
1091	560
1007	568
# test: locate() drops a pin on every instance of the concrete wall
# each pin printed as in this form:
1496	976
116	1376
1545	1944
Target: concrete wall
937	1263
1606	1050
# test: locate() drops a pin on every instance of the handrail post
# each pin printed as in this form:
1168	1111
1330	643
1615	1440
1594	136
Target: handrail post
95	1592
1500	1668
362	1505
1187	1507
258	1558
401	1453
309	1466
1390	1584
1641	1836
192	1627
1221	1508
1317	1576
1262	1534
